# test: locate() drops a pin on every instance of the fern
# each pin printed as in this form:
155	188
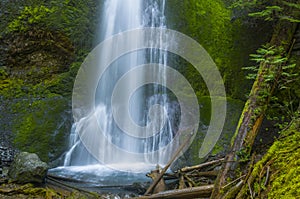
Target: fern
269	13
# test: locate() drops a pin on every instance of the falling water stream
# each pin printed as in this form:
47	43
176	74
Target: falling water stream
119	16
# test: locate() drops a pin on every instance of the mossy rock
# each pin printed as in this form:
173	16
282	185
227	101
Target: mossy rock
28	168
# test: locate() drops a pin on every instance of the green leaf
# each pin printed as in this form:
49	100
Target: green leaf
258	59
256	55
281	60
294	5
290	19
288	66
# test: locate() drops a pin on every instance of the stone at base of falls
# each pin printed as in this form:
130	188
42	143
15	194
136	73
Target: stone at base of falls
27	168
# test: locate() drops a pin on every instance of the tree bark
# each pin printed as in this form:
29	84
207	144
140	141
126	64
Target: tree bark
255	107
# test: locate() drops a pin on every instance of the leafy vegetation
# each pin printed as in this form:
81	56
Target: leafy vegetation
29	17
284	103
270	11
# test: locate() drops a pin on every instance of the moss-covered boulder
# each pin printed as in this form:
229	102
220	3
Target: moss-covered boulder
26	168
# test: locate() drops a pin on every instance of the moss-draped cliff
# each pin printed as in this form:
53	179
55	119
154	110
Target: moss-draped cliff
42	46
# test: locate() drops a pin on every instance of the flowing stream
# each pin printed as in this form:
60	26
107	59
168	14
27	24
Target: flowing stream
119	16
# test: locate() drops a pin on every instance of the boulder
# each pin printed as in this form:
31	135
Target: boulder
28	168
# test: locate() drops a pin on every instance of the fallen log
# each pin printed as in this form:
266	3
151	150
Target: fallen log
192	192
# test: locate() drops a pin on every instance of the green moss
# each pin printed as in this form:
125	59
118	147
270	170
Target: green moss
283	159
42	126
208	22
40	113
285	181
11	190
223	34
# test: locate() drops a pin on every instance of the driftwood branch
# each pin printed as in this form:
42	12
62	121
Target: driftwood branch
158	178
200	166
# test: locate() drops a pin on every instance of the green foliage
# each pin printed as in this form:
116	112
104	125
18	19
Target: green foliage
14	88
31	16
244	154
61	84
271	10
226	36
284	101
41	119
11	88
268	13
243	4
266	55
3	74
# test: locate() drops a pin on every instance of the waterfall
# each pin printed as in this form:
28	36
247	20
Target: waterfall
119	16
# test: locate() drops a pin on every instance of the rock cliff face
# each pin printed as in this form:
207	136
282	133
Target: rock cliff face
35	98
37	54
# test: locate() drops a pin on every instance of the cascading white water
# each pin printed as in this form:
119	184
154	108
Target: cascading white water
119	16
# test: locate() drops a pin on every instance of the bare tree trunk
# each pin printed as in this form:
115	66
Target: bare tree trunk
254	110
